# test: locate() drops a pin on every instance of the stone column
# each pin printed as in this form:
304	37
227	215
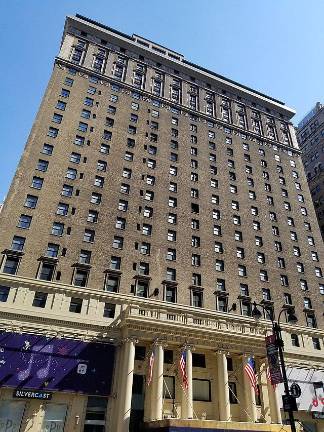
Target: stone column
125	392
187	400
223	390
249	395
274	404
158	381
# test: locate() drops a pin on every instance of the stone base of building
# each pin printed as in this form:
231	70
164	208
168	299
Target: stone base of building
178	425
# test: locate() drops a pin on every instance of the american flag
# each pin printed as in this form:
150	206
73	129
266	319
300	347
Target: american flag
269	379
150	368
182	364
249	369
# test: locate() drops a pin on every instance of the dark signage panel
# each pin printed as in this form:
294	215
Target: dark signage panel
36	362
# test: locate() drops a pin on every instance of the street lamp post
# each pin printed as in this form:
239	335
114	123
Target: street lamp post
292	319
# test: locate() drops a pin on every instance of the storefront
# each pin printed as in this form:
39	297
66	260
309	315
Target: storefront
54	384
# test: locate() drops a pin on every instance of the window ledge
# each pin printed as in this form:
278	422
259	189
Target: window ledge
12	252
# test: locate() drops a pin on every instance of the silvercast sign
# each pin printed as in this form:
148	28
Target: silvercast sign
32	394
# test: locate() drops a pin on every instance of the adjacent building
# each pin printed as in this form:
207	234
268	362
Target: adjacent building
154	203
310	135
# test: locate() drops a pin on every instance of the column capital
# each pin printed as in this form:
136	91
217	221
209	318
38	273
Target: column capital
160	342
133	339
222	351
187	346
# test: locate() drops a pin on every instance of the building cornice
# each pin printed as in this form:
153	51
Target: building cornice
166	103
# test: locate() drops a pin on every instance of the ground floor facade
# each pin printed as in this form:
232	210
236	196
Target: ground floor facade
67	369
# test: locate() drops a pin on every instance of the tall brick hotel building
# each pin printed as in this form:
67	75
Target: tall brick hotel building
154	203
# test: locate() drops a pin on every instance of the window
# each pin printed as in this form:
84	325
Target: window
316	343
278	246
300	267
52	250
127	173
194	208
240	253
258	241
84	257
287	298
311	320
60	105
142	288
37	183
171	274
194	177
254	211
145	248
314	256
65	93
294	340
264	276
95	198
85	114
281	262
150	180
221	304
238	236
303	285
260	257
71	174
172	202
129	156
111	109
46	271
57	118
109	310
42	165
125	188
88	101
57	228
236	220
75	158
101	166
246	308
195	241
75	305
266	295
11	265
252	195
256	225
123	205
18	243
310	241
79	140
195	260
284	280
99	181
24	221
4	293
232	393
318	272
214	183
293	236
112	283
67	190
88	236
47	149
219	265
118	242
171	255
31	201
241	270
148	212
173	187
39	299
217	230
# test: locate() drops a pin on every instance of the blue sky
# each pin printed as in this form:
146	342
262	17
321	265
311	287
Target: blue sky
274	46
